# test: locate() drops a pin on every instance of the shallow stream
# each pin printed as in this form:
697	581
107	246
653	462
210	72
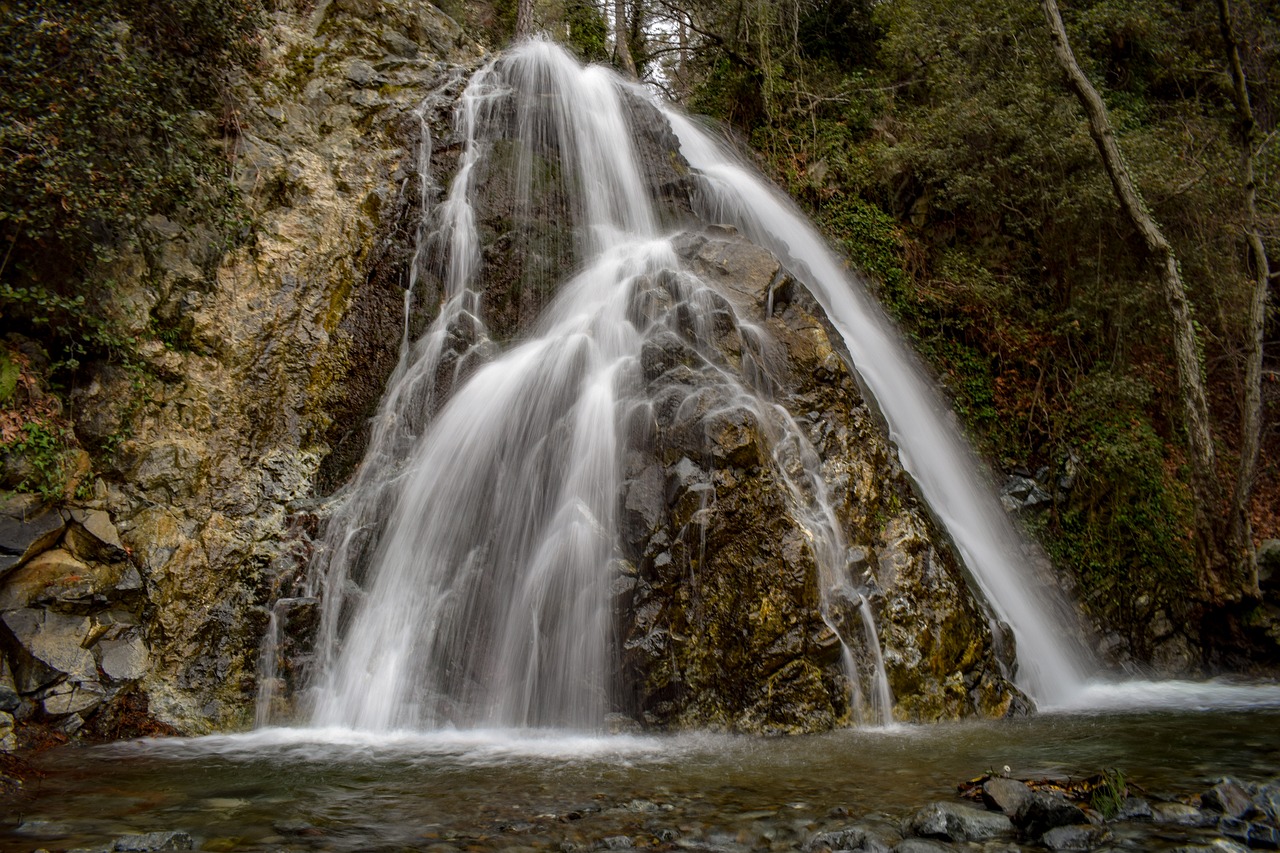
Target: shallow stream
338	790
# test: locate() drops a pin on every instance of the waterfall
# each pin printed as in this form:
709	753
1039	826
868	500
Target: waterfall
1052	665
466	572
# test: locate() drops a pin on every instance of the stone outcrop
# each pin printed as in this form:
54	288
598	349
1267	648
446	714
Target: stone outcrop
273	354
721	614
73	615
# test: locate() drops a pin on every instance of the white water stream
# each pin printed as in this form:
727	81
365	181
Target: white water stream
465	576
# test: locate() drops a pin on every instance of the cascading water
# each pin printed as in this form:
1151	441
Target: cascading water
1053	666
465	577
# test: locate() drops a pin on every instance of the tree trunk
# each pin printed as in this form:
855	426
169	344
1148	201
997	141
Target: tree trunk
1185	344
1241	534
524	18
621	48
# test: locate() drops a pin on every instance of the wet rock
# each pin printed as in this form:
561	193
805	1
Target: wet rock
921	845
644	504
1267	802
8	741
1263	837
1217	845
154	841
124	659
55	576
849	838
1269	565
1180	814
93	536
1042	812
959	822
9	698
26	528
71	697
1072	838
50	647
1021	493
1229	798
1005	795
1134	808
733	436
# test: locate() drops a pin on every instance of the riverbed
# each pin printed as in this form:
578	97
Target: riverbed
331	789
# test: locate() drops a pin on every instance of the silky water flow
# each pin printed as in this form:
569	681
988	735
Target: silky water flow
465	573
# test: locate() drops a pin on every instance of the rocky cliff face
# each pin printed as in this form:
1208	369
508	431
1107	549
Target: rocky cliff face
253	403
272	355
724	621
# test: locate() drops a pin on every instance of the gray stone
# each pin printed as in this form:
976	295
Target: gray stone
72	697
644	505
125	659
1269	564
1042	812
1263	837
849	838
1005	795
150	841
9	698
958	822
1180	814
398	45
26	530
1064	838
51	646
1134	808
97	524
1228	798
921	845
8	742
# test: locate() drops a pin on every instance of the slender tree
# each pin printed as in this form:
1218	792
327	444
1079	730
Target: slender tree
1251	400
1191	384
621	46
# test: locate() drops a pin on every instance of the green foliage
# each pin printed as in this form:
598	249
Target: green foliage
45	449
99	128
1127	529
94	118
588	30
1108	798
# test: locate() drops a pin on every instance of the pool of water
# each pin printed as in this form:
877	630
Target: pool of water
316	789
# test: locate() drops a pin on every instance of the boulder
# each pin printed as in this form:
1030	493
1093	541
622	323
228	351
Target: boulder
27	527
959	822
1073	838
124	659
9	698
71	697
1005	795
1181	814
849	838
50	648
1134	808
1228	798
1042	812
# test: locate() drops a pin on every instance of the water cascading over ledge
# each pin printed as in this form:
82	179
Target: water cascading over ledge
628	469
